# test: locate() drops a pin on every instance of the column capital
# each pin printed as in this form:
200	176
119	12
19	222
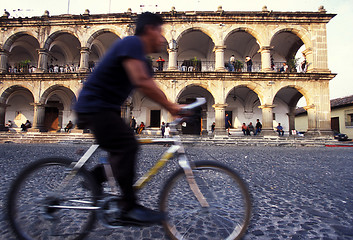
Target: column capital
84	49
174	50
4	105
37	104
267	106
307	51
265	48
4	52
312	106
220	47
220	105
42	51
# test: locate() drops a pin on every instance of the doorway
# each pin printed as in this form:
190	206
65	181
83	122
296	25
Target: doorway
51	118
155	120
335	124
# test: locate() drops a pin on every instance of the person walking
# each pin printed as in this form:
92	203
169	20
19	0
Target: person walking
163	129
228	124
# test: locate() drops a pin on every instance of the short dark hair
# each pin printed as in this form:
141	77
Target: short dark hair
147	18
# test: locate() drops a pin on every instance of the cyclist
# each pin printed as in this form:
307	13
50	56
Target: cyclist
124	68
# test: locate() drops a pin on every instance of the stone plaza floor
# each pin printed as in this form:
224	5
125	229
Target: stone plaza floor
298	193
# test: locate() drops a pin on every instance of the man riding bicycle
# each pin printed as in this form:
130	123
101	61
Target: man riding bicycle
123	69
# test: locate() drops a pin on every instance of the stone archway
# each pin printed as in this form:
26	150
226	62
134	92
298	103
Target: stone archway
241	44
99	43
57	102
285	102
195	51
64	52
285	45
16	105
22	53
243	106
205	115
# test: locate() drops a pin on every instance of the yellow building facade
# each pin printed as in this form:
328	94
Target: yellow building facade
45	60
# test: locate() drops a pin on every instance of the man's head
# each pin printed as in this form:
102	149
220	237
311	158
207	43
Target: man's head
149	27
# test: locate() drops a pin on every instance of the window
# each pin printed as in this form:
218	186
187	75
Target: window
349	118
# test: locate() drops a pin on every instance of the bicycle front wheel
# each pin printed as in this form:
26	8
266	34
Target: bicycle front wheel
41	206
228	214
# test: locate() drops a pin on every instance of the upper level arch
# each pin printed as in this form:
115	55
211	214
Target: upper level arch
110	35
241	43
63	48
286	42
248	30
22	50
299	31
14	37
204	30
99	43
195	50
58	34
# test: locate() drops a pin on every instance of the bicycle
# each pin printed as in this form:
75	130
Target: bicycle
201	198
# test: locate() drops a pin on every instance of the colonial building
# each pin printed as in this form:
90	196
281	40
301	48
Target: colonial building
45	60
341	116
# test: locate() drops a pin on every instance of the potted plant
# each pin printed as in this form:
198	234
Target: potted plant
292	64
238	66
196	64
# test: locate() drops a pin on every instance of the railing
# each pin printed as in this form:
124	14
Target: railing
183	66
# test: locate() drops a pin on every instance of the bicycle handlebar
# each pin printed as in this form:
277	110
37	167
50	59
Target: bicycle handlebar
187	110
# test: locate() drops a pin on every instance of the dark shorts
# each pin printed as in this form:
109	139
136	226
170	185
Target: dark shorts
110	130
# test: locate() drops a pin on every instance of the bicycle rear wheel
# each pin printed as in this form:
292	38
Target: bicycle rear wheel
37	196
229	212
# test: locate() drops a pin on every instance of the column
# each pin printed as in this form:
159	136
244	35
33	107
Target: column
309	58
220	119
2	115
219	54
84	60
265	59
173	60
43	60
312	125
38	119
291	119
267	119
3	61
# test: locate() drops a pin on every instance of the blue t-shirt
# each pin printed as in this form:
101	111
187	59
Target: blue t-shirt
109	85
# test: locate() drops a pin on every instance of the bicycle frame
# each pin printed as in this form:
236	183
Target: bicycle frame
175	149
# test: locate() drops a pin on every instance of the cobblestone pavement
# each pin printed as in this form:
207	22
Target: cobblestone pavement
298	193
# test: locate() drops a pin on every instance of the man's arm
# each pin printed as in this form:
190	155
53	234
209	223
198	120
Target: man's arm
137	73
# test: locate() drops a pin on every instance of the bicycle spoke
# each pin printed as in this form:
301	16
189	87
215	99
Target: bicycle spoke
38	211
229	211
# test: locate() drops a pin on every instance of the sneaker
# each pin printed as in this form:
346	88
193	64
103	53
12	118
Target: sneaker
140	216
